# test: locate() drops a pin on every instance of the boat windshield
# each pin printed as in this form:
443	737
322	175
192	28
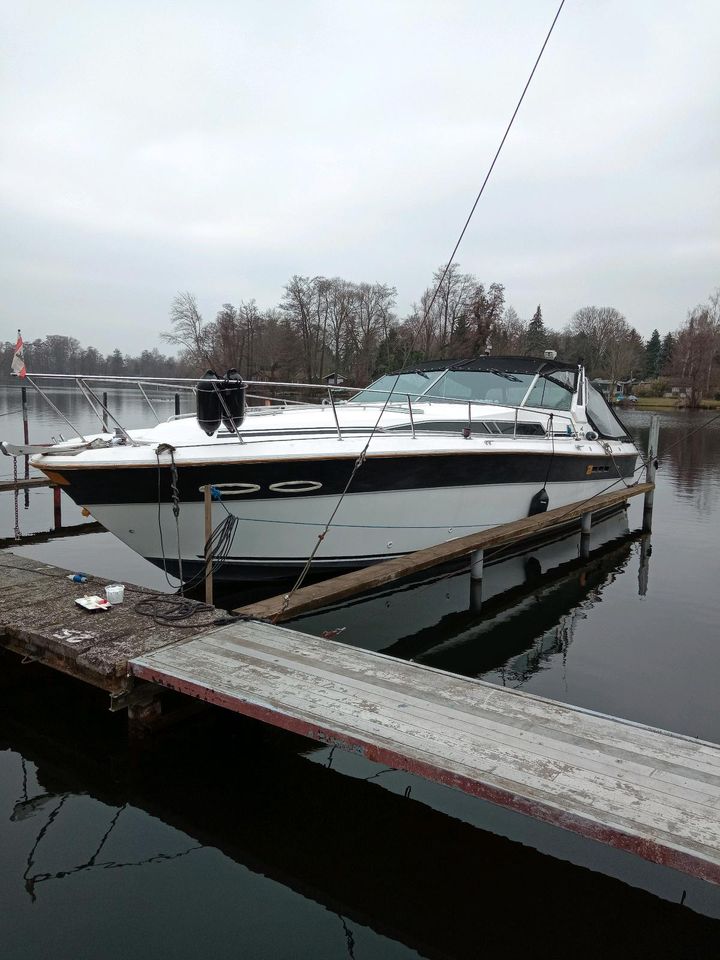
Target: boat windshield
410	384
601	417
477	386
553	392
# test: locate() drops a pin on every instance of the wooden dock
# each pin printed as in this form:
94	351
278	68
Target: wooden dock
316	595
647	791
40	620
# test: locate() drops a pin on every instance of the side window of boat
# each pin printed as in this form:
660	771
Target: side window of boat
550	395
601	416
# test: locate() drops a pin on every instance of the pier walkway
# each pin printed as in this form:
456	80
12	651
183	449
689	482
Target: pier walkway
40	621
653	793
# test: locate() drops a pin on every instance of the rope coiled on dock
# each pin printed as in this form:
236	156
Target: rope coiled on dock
175	610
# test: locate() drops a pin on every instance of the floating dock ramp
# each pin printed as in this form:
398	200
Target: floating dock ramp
647	791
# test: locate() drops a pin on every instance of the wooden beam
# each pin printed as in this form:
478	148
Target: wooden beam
347	585
24	484
57	509
653	441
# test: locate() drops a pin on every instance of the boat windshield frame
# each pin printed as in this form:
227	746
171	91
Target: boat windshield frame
400	393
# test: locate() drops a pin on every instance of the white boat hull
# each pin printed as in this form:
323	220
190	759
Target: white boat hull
274	538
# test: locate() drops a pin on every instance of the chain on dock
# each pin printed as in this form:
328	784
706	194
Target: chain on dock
17	501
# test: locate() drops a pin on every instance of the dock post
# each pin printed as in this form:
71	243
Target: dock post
177	404
207	494
144	712
651	468
585	527
477	562
57	508
23	400
104	416
644	569
26	440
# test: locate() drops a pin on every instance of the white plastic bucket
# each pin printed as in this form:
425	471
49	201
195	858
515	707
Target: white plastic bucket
115	592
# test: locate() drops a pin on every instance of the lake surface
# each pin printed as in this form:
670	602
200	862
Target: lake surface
222	838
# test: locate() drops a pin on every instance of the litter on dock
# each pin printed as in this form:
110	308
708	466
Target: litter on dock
40	620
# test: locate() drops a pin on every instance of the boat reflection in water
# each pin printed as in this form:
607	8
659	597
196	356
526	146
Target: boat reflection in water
501	629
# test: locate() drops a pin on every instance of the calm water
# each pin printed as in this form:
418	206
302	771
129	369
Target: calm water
225	839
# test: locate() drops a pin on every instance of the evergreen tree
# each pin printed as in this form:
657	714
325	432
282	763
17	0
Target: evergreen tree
652	355
666	352
536	337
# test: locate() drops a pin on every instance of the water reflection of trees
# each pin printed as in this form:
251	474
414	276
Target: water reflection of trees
31	806
689	456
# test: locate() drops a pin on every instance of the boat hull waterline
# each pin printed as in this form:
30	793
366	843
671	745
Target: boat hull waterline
276	533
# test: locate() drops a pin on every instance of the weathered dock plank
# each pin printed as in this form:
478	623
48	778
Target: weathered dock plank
351	584
653	793
24	483
39	619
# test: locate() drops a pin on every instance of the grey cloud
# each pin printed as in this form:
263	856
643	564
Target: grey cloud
221	147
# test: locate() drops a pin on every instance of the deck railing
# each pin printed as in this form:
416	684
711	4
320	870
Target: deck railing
87	386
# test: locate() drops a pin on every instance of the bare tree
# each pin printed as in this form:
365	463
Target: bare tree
300	306
625	353
486	310
189	331
227	338
509	333
696	355
250	319
594	330
375	303
342	310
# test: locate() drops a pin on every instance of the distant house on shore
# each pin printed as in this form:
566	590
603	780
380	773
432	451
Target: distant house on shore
334	380
614	389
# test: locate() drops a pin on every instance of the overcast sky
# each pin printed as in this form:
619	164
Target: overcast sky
219	147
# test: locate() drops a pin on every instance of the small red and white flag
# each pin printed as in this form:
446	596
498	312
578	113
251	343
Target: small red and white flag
18	361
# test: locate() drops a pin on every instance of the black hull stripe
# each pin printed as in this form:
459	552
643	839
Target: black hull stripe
87	486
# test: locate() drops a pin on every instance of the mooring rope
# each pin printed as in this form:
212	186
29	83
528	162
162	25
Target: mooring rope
426	313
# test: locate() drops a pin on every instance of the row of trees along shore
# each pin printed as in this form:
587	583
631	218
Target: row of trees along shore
323	325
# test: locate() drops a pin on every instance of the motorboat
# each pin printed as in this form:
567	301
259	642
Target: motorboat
426	454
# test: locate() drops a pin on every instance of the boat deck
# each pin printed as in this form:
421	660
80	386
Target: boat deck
648	791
